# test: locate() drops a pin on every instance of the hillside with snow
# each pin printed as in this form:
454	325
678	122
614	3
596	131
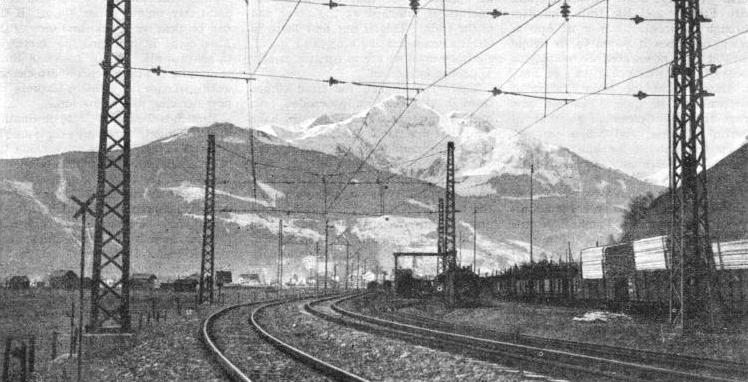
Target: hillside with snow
489	160
576	201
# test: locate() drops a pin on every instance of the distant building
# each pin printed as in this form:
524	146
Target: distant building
186	284
63	279
18	282
252	279
223	277
143	281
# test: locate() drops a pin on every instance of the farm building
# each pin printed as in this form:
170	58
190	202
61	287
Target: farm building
63	279
223	277
143	281
17	282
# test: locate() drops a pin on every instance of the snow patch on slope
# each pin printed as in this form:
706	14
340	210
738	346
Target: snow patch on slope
192	193
421	204
63	184
26	189
186	191
267	222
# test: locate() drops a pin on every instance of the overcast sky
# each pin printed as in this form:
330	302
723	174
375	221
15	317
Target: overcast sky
51	83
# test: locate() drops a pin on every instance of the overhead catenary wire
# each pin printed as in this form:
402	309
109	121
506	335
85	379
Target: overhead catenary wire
605	58
628	79
314	212
534	52
470	59
364	122
277	36
492	13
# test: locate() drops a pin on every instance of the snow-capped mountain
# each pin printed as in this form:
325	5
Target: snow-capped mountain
488	159
39	233
576	200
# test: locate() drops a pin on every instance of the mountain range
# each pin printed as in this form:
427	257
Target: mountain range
380	193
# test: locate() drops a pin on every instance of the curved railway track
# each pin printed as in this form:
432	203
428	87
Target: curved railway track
572	360
235	373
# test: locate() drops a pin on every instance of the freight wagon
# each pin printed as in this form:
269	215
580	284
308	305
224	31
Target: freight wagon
632	276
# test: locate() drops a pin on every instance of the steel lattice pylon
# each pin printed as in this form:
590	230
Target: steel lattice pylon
110	302
692	262
449	210
440	238
205	291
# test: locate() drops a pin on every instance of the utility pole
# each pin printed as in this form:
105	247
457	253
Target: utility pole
82	212
316	267
475	235
347	255
459	235
440	239
381	188
110	306
280	253
366	267
532	174
693	288
358	269
324	191
449	224
205	292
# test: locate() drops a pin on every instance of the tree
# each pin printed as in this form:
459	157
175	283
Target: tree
634	224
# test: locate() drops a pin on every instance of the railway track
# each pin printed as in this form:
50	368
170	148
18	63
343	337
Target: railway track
235	372
574	361
728	369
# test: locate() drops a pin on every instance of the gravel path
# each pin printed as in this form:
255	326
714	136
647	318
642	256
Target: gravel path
253	355
378	358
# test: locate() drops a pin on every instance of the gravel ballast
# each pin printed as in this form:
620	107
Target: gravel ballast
378	358
258	359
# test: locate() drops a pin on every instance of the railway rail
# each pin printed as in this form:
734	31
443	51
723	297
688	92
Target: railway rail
669	360
234	371
572	361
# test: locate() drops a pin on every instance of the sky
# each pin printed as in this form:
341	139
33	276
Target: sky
50	81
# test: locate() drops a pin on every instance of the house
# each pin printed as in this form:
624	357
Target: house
143	281
18	282
63	279
223	277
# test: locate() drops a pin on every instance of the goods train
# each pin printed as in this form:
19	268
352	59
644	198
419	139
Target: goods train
631	276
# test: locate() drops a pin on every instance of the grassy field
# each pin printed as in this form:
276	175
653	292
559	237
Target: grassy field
627	331
41	312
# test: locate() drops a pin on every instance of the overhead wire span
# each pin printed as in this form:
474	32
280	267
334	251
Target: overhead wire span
353	183
331	81
365	121
268	165
635	76
494	13
521	66
470	59
313	212
277	36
